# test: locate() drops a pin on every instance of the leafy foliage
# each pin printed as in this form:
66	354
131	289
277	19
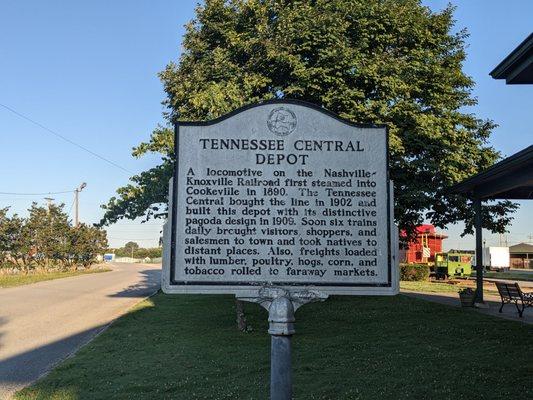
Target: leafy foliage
15	245
47	240
414	272
393	62
131	246
84	244
139	252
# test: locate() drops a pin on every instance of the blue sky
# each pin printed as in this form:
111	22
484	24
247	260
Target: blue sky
88	70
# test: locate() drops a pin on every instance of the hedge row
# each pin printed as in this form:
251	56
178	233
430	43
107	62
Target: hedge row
414	272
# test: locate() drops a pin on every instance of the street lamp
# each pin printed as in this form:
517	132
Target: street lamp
76	201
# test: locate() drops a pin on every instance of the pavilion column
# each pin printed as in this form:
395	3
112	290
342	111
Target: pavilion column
478	222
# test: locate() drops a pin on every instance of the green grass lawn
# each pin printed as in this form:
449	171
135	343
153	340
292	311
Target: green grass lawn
18	280
186	347
430	287
438	287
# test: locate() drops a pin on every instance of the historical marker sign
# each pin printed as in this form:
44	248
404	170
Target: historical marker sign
282	194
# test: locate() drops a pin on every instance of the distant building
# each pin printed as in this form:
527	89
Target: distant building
423	249
521	255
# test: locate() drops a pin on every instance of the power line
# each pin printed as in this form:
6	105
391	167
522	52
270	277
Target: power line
141	224
36	194
65	138
134	230
71	205
114	238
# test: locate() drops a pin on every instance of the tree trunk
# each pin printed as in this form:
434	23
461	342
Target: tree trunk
241	317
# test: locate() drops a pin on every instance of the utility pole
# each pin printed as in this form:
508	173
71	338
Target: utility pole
76	203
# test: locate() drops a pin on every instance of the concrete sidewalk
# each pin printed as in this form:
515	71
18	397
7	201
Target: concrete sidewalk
452	299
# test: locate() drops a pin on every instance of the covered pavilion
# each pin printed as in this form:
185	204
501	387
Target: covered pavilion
511	178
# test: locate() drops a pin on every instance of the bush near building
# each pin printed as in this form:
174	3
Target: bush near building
414	272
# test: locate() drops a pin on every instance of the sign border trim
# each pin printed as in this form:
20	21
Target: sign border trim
245	284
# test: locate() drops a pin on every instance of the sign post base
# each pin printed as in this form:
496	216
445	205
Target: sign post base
281	305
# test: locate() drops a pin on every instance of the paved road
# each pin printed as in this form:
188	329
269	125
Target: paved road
42	323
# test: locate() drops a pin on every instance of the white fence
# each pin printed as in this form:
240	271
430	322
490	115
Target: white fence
130	260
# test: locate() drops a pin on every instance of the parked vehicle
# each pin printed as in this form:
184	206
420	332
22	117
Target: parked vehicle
495	258
448	265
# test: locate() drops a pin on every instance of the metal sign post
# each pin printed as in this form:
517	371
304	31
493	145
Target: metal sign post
281	305
281	328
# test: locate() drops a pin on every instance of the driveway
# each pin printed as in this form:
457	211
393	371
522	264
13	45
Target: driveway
42	323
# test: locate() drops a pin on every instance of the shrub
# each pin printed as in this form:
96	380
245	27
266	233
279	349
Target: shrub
414	272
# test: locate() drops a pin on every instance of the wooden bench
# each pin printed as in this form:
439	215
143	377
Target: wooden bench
511	293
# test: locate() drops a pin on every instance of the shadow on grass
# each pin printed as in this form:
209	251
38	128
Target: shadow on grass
187	347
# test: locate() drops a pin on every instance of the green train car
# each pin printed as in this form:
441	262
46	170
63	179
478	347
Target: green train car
449	265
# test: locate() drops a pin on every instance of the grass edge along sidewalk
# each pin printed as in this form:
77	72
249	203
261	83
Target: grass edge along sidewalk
13	280
441	287
186	347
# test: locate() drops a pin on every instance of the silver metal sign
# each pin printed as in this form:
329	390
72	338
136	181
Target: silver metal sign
281	194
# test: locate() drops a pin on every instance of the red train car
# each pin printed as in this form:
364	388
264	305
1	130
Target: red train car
423	249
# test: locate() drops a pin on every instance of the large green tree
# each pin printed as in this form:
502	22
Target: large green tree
371	61
15	241
85	243
49	227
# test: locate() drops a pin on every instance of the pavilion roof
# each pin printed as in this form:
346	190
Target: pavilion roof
511	178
